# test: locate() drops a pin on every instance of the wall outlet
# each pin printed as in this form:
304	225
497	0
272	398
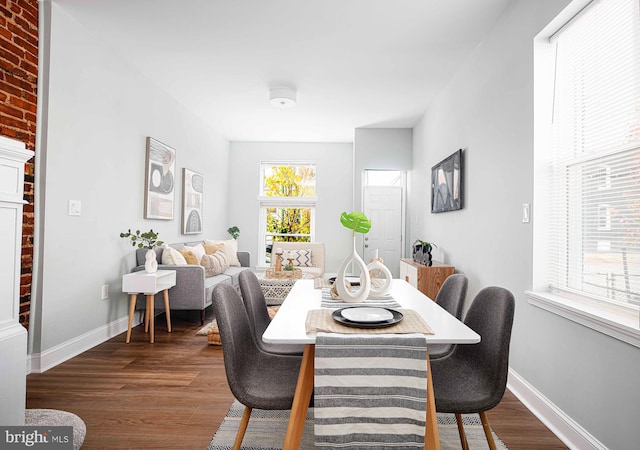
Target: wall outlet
105	291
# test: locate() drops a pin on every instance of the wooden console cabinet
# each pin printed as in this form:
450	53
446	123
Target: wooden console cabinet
427	279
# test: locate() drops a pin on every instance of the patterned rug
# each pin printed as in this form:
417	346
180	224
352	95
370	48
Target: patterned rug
205	329
266	431
211	329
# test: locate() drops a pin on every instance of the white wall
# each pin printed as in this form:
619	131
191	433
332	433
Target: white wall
334	185
487	109
95	118
381	149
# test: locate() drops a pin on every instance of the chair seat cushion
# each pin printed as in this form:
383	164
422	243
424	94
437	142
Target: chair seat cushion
233	272
471	393
279	395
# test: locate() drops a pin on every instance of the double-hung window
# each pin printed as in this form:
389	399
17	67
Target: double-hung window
287	205
587	168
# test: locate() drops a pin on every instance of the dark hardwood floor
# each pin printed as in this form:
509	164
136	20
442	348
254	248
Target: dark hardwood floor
173	394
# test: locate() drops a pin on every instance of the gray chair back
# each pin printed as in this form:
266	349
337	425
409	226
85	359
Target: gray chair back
453	293
491	316
451	297
473	378
256	306
256	378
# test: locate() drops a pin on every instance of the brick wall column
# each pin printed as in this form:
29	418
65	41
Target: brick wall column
18	104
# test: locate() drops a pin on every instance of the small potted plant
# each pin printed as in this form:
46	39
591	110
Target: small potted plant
422	252
148	240
234	232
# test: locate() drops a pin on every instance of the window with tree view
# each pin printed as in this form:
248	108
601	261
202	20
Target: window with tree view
287	205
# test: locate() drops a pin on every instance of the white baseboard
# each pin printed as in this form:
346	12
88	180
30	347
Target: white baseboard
41	362
563	426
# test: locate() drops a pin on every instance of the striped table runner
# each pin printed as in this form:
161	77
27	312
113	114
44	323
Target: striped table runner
370	391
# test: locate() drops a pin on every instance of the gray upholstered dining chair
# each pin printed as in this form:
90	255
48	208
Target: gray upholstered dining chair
257	379
256	306
473	378
451	297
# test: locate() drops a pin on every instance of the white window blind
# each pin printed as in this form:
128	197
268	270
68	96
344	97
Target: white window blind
595	200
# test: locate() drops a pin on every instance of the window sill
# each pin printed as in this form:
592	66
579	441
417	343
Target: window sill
267	200
621	326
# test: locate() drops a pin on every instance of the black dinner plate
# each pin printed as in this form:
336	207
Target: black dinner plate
397	317
353	283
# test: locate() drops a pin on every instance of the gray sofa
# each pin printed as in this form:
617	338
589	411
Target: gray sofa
193	291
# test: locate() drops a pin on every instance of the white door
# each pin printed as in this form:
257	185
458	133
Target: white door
383	206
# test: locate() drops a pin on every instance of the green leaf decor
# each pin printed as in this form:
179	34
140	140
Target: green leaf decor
356	221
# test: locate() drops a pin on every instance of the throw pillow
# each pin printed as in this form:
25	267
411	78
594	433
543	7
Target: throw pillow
211	249
171	256
230	249
301	258
197	250
189	257
214	264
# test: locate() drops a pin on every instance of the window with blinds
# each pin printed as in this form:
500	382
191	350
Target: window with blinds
595	138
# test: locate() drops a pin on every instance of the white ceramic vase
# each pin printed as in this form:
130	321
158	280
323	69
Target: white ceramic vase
380	289
362	292
150	262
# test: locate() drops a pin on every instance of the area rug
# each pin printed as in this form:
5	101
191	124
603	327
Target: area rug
57	418
266	431
204	331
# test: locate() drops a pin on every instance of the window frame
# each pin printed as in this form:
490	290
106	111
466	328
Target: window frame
613	319
265	202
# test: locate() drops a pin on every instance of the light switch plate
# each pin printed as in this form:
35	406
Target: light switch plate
75	207
526	217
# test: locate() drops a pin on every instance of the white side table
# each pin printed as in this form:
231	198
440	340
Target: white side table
148	284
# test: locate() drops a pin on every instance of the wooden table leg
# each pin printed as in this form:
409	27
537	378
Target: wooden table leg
132	306
146	315
301	399
152	315
167	311
431	437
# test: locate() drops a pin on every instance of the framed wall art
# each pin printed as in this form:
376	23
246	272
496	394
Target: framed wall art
159	192
447	184
192	191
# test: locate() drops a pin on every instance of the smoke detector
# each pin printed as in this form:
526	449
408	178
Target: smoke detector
282	97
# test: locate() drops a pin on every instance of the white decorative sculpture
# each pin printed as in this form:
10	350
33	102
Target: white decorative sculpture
376	265
359	223
362	292
150	262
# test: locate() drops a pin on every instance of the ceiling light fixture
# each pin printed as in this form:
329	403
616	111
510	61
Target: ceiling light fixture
282	97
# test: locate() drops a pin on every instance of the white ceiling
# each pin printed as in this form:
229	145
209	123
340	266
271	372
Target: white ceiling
354	63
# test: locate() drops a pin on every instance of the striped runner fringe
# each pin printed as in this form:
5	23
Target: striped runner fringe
370	391
386	301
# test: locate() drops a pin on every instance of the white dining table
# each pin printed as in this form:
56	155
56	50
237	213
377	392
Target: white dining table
288	327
